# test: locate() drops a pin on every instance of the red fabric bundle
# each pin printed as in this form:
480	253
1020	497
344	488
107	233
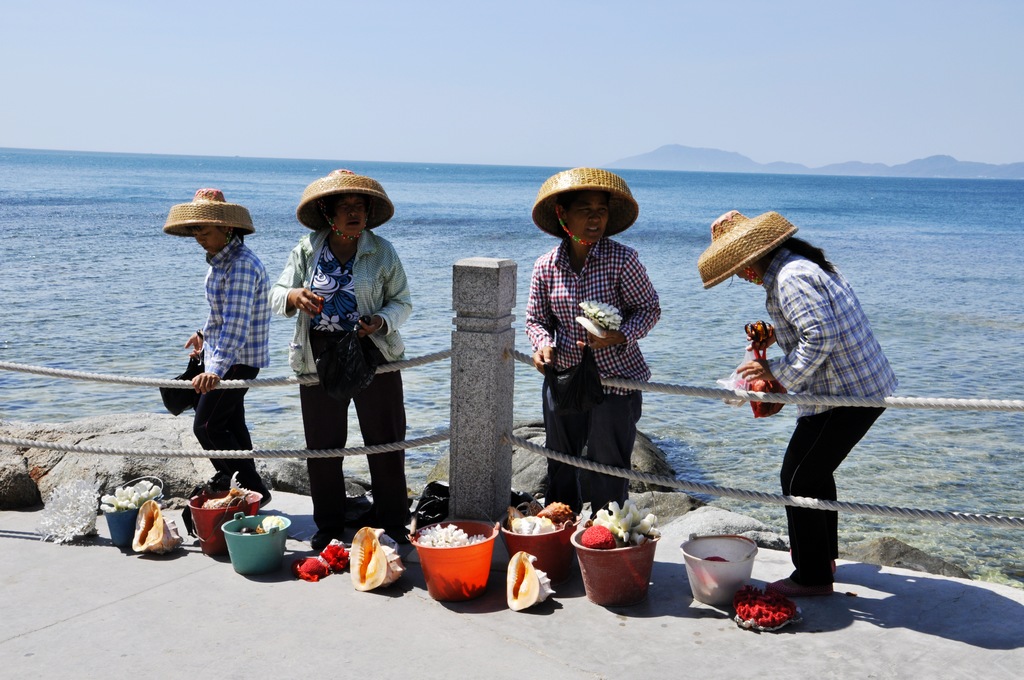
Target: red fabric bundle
335	555
311	569
763	409
763	610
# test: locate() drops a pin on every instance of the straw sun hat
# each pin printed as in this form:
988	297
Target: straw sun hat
622	207
344	182
208	207
738	241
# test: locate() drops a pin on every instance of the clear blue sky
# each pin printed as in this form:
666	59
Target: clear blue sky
518	82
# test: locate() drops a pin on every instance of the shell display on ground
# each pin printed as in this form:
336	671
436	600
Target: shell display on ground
525	584
373	560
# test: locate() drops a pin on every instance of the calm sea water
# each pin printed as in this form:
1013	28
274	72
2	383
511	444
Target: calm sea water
88	281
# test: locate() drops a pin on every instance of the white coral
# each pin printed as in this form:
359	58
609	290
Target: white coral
69	512
446	536
605	316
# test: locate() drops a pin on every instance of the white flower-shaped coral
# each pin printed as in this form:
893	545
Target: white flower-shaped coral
130	497
599	317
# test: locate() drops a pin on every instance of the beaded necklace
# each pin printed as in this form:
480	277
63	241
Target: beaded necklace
342	234
575	239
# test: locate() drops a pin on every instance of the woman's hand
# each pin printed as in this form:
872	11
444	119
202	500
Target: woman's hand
545	356
375	324
196	343
205	382
610	338
305	301
755	370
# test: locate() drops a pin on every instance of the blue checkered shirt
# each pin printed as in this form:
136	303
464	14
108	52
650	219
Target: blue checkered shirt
819	324
238	328
612	274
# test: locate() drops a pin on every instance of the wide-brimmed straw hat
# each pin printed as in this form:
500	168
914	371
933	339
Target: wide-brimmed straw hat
311	214
208	207
738	241
622	207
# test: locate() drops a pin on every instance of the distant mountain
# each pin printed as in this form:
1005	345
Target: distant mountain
678	157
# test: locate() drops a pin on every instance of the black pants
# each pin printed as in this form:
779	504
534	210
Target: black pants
818	445
380	409
607	432
219	424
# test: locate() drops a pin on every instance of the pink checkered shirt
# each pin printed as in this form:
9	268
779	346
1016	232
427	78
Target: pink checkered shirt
612	274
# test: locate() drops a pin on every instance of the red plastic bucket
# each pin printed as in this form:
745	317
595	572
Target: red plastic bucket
208	521
617	577
553	550
458	573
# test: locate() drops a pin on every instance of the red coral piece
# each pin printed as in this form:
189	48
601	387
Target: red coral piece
763	610
335	556
310	569
598	538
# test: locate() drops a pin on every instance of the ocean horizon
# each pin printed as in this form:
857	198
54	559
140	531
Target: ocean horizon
89	282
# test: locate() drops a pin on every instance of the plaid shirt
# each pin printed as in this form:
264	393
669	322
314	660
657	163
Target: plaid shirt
612	274
238	328
819	324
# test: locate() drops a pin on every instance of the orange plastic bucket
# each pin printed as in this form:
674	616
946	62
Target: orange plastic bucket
458	573
553	550
208	521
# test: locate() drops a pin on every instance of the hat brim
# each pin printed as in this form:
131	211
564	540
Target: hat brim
184	219
622	207
308	213
743	245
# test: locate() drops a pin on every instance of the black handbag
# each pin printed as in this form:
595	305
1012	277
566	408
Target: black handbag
179	399
578	388
345	368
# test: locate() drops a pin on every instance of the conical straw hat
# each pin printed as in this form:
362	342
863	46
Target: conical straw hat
207	207
738	241
622	207
310	213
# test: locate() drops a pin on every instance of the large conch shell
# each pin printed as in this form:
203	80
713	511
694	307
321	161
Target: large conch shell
153	533
374	559
525	584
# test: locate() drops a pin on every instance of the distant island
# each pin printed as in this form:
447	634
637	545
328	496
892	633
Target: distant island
678	157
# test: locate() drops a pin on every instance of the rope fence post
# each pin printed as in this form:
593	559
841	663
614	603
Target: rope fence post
482	384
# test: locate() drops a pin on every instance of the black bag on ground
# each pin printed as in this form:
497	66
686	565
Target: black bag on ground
432	505
578	388
345	369
178	399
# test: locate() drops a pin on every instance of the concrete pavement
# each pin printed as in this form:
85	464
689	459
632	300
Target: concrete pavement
90	610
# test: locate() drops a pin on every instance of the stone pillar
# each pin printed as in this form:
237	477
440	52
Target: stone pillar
480	465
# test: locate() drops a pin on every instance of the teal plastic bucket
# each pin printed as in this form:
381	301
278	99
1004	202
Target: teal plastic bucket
255	553
122	527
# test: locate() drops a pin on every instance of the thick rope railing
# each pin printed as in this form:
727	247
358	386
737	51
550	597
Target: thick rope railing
807	399
440	436
224	384
774	499
694	487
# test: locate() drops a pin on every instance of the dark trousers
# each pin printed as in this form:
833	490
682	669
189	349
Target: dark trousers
380	409
606	435
219	424
818	445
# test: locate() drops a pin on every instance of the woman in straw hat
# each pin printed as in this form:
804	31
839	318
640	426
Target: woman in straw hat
234	340
829	349
343	277
582	207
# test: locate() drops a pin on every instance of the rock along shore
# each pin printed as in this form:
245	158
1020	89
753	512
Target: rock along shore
29	475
